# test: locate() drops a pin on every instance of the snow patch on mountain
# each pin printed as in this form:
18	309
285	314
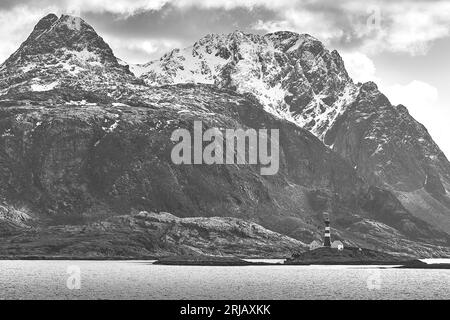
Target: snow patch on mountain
44	87
319	117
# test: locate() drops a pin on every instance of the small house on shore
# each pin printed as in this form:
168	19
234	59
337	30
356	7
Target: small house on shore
337	245
314	245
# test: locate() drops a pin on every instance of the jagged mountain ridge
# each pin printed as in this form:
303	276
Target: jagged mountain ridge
76	154
296	78
293	75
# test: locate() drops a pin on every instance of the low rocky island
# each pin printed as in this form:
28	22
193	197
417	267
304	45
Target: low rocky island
417	264
202	260
347	256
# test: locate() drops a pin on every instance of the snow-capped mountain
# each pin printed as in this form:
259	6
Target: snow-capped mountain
61	51
293	75
85	145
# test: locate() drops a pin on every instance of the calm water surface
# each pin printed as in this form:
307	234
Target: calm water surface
142	280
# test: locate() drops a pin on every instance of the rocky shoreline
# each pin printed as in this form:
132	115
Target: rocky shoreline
320	256
347	256
203	260
417	264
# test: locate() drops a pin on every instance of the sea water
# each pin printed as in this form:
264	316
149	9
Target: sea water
143	280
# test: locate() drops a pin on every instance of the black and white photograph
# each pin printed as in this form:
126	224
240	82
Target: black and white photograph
251	151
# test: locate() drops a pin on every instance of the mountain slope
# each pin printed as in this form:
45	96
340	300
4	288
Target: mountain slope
75	163
392	150
149	235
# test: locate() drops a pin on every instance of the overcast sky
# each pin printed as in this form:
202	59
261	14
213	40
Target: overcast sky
402	45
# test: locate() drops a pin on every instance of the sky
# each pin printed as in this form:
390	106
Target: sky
401	45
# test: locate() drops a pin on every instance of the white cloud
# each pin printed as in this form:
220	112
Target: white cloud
120	7
360	67
412	28
147	46
138	50
418	96
302	22
130	7
370	26
422	101
437	125
231	4
401	26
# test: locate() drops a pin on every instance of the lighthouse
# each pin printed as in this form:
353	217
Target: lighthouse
327	237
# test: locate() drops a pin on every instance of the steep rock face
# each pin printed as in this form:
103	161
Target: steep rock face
123	153
392	150
383	206
388	144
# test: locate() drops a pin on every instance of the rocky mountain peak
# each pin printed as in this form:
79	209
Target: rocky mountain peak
369	86
293	75
46	22
61	50
52	34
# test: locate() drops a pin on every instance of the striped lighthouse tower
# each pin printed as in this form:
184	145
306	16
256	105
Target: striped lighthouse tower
327	238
